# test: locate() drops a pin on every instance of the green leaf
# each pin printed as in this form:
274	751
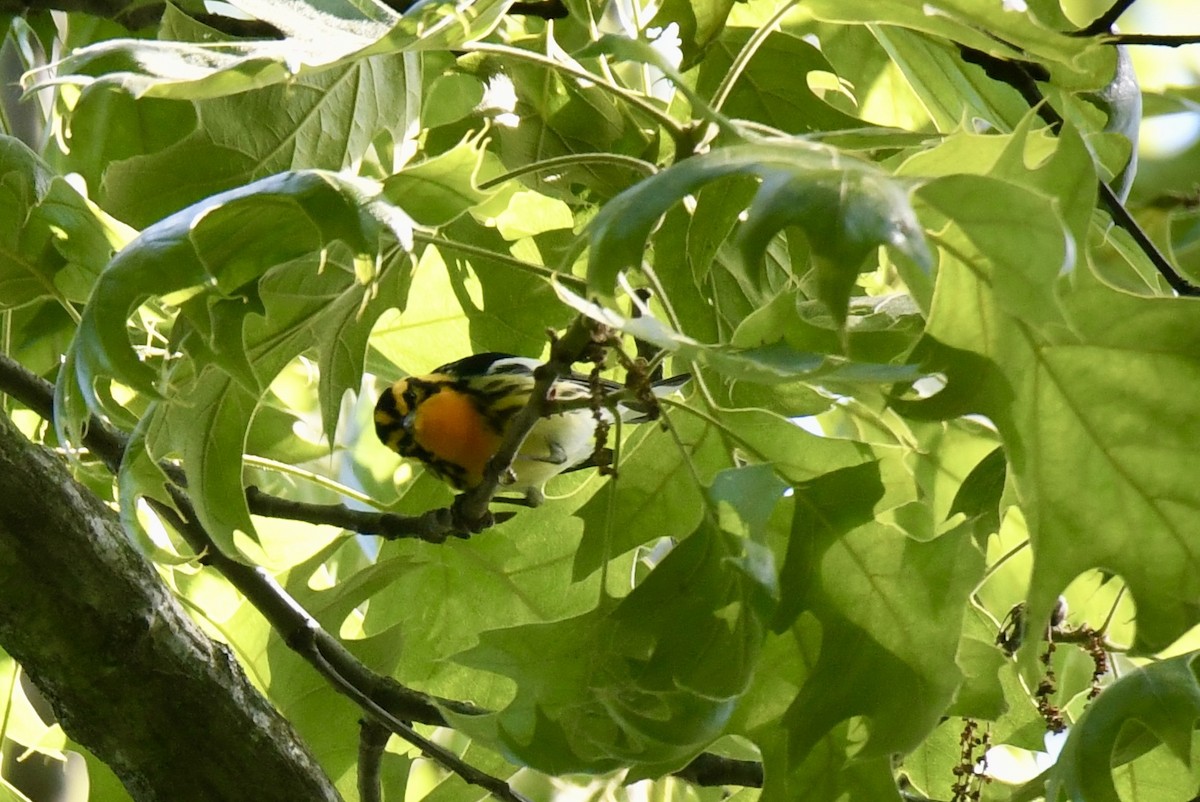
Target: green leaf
517	575
773	88
211	248
1075	62
986	210
872	591
1096	428
949	88
327	120
978	497
107	126
1163	698
557	118
846	207
647	681
833	769
653	495
52	241
441	188
772	363
322	34
208	427
506	309
821	510
699	21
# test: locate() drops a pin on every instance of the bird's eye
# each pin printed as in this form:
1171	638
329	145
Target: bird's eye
409	398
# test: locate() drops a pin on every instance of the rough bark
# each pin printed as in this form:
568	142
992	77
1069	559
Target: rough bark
129	675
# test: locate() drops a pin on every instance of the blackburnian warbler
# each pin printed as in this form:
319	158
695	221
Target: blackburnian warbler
455	418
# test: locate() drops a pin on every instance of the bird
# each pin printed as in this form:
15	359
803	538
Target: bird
454	420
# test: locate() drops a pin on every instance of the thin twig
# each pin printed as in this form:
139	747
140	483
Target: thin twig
372	739
433	526
1018	75
307	638
574	282
1085	635
709	769
1008	555
1104	22
760	35
1112	611
435	752
1157	39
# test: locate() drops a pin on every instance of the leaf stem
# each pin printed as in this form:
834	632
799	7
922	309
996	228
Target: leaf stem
745	54
300	473
1023	78
1013	552
1112	611
542	271
715	423
632	98
570	160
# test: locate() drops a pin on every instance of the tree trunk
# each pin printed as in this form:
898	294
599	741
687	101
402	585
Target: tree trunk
128	673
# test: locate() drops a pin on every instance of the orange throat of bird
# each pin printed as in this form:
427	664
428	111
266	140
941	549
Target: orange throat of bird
450	427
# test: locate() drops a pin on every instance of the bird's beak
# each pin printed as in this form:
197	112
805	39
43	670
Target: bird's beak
408	421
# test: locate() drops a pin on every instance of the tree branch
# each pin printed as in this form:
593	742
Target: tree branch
1159	39
382	697
433	526
122	664
1105	22
372	740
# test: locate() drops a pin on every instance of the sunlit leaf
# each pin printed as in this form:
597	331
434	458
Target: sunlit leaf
1162	698
211	249
322	34
52	243
647	680
846	207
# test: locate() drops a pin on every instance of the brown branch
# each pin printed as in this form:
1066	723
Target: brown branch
381	696
1158	39
385	699
321	650
372	739
433	526
1105	22
124	667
